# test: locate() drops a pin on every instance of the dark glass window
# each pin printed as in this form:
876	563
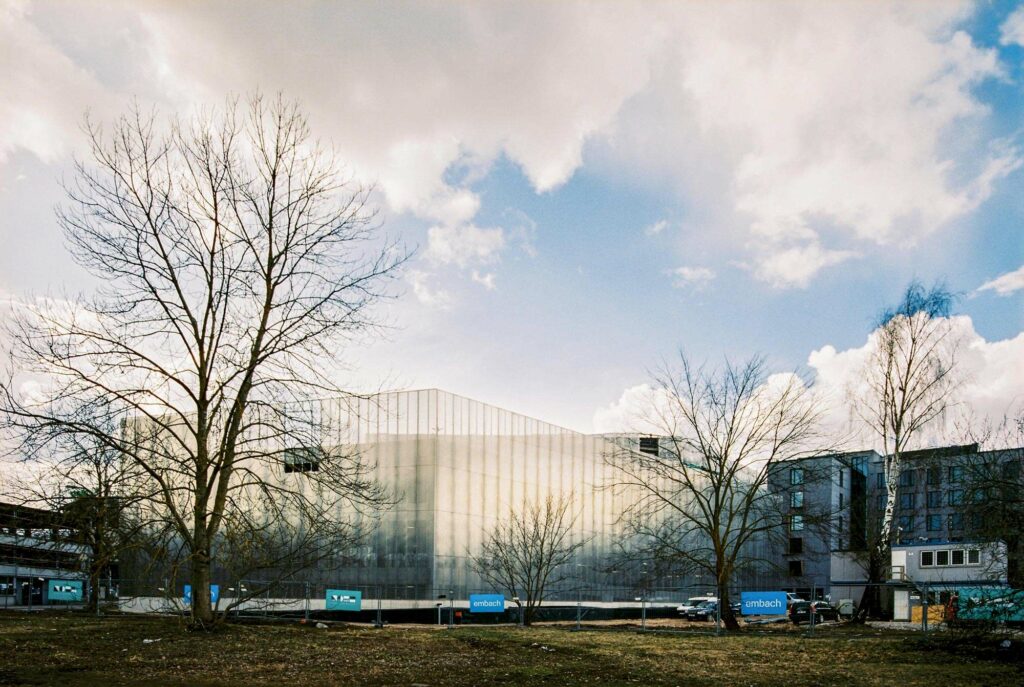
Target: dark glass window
935	499
796	568
958	556
907	478
796	476
973	556
956	473
796	523
934	523
956	497
796	545
934	475
906	523
927	559
956	521
908	501
649	445
881	480
942	558
796	499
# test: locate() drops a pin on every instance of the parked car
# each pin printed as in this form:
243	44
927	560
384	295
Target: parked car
708	610
692	603
800	612
792	598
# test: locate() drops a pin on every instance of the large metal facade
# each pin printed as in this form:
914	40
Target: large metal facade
459	466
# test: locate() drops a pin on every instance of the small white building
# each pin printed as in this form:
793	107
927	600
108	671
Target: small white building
934	571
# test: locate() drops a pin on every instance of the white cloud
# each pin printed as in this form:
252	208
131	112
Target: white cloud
692	276
463	245
424	292
656	228
1012	30
1005	284
797	266
993	386
486	280
810	129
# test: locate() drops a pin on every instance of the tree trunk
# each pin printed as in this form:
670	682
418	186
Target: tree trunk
94	588
728	617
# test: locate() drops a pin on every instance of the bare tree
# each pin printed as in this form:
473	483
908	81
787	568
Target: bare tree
701	501
236	262
97	494
909	379
525	553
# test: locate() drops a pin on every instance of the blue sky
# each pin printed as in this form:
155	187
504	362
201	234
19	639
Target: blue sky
590	186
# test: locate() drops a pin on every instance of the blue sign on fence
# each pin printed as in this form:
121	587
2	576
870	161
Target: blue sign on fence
764	603
344	600
64	590
486	603
214	594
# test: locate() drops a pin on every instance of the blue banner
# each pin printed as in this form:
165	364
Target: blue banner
344	600
214	594
486	603
763	603
64	590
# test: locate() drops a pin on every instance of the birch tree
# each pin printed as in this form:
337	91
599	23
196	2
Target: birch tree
909	379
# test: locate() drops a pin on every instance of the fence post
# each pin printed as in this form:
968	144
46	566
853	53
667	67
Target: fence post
307	599
924	609
812	607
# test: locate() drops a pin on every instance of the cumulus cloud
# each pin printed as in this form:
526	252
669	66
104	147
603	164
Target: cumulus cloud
463	245
692	276
1012	30
819	129
993	387
656	228
1005	284
424	292
798	265
486	280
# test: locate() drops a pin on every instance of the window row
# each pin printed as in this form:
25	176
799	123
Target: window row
949	557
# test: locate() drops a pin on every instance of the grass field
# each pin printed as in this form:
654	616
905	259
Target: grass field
44	649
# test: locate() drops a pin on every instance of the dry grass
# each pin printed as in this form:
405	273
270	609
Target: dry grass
38	649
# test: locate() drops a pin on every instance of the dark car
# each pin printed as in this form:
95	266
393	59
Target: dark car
708	611
800	611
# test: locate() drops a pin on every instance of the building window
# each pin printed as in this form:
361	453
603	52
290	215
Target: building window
957	556
1011	470
977	521
934	523
842	472
956	473
796	545
906	523
973	557
796	476
796	568
796	523
956	521
796	499
942	558
907	501
649	445
298	460
840	500
927	559
907	478
934	475
956	497
881	480
935	499
881	501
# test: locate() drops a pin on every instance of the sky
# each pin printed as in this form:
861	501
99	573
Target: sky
590	187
